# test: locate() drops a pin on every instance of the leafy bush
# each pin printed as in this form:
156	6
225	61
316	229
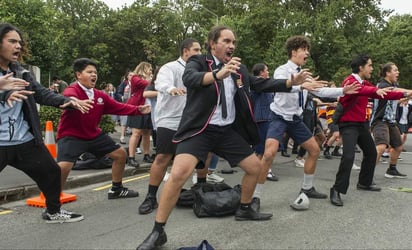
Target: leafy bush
48	113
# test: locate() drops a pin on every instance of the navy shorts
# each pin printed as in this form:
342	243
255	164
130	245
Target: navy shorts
223	141
262	129
296	129
70	148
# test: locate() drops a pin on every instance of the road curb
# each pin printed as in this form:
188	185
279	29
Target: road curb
26	191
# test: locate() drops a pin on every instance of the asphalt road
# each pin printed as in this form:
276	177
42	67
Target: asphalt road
368	220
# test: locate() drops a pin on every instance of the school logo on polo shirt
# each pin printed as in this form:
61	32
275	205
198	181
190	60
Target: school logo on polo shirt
100	101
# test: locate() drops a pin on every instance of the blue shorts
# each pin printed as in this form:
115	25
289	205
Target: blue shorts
296	129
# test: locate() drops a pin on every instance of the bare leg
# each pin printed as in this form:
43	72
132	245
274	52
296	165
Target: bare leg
182	168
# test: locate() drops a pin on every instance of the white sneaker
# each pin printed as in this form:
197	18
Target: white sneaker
194	178
300	163
139	151
385	155
214	178
355	167
166	177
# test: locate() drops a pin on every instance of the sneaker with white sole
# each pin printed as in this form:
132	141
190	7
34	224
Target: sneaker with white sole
62	216
394	173
214	178
300	163
122	192
355	167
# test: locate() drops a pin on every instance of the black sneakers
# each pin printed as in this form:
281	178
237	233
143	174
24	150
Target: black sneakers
148	205
62	216
147	158
394	173
327	155
133	163
122	192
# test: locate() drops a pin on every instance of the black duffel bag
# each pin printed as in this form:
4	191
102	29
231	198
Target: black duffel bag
215	199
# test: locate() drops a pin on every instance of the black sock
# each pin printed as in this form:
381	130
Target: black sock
159	227
336	148
131	158
152	190
201	180
327	147
392	166
244	206
116	185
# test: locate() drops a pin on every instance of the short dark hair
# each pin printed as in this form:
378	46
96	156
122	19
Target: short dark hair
214	35
357	61
55	78
295	43
257	68
80	64
387	67
187	44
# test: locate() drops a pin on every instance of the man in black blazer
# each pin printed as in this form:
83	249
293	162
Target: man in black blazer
217	118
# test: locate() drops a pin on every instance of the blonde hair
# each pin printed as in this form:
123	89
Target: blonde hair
143	70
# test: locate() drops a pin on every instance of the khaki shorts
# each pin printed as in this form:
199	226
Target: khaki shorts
386	133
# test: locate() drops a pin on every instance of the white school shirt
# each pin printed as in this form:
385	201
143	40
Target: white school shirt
286	104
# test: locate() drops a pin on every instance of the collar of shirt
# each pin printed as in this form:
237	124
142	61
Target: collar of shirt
293	66
217	62
89	92
358	78
181	61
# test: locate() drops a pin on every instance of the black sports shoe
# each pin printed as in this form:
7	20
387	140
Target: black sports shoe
394	173
336	153
312	193
271	177
327	155
133	163
154	240
122	192
147	159
148	205
62	216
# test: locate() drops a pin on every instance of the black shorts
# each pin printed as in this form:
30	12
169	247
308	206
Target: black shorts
140	121
70	148
385	133
223	141
333	127
164	144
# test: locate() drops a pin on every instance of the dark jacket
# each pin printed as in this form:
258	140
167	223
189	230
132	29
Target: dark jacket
42	96
201	100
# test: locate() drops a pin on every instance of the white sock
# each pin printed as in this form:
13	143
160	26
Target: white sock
258	190
307	181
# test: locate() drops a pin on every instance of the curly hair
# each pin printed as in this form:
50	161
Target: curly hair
295	43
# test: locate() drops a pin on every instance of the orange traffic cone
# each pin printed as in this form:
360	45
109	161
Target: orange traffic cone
50	142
